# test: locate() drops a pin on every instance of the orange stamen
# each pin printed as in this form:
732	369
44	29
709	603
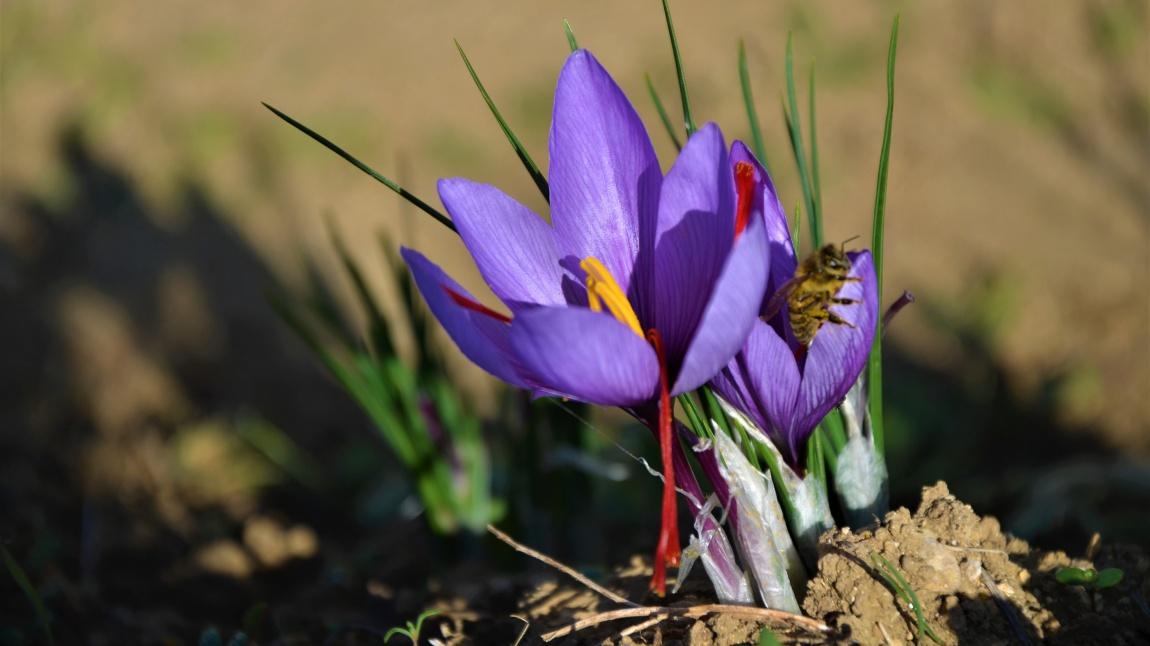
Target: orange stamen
474	306
667	550
744	186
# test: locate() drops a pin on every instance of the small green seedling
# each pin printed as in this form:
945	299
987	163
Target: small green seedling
412	629
1089	577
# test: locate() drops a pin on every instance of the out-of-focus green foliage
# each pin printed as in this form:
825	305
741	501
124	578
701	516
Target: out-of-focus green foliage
416	410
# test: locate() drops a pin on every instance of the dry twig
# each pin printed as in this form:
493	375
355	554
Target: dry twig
691	612
643	625
523	549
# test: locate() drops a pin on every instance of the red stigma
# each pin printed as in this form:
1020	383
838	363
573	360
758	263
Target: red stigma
467	303
667	550
744	185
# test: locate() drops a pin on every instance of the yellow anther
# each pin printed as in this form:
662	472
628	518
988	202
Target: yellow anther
603	291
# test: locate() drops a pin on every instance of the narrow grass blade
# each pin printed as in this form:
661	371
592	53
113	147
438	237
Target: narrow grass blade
662	113
795	128
688	121
817	186
378	329
749	104
902	589
796	224
376	404
29	590
427	360
520	151
874	364
349	158
571	42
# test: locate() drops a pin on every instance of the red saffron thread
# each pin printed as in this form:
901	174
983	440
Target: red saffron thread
469	304
744	185
667	550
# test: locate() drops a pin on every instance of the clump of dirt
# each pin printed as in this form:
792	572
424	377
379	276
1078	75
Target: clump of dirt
974	583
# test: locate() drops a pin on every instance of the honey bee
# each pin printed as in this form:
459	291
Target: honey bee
812	291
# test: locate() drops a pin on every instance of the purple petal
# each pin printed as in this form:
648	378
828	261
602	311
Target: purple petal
766	202
604	175
513	248
838	352
585	355
731	312
695	234
774	382
482	339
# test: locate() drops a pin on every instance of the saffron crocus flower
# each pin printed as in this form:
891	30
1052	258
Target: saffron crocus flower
641	287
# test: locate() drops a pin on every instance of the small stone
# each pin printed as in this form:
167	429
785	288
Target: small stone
225	558
302	542
1023	576
264	536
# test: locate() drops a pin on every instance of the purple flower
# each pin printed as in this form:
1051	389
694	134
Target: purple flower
641	288
786	388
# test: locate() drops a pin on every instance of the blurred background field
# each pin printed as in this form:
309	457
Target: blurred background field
160	427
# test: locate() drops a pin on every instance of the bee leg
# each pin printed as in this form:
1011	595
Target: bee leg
845	301
838	320
852	279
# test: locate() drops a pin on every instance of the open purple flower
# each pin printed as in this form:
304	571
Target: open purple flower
783	387
641	288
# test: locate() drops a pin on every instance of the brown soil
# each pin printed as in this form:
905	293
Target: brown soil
975	584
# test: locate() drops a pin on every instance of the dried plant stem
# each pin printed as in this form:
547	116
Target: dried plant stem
641	626
571	572
654	614
691	612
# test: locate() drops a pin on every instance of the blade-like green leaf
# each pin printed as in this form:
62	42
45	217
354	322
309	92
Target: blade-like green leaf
874	364
662	113
749	104
571	42
520	151
688	121
349	158
817	188
378	330
427	360
795	129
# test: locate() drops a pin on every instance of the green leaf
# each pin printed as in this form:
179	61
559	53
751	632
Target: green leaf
817	188
1074	576
688	121
349	158
520	151
1108	578
795	129
30	593
571	42
662	113
749	104
874	363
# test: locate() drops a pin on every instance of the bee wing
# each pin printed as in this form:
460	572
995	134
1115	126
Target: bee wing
775	305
